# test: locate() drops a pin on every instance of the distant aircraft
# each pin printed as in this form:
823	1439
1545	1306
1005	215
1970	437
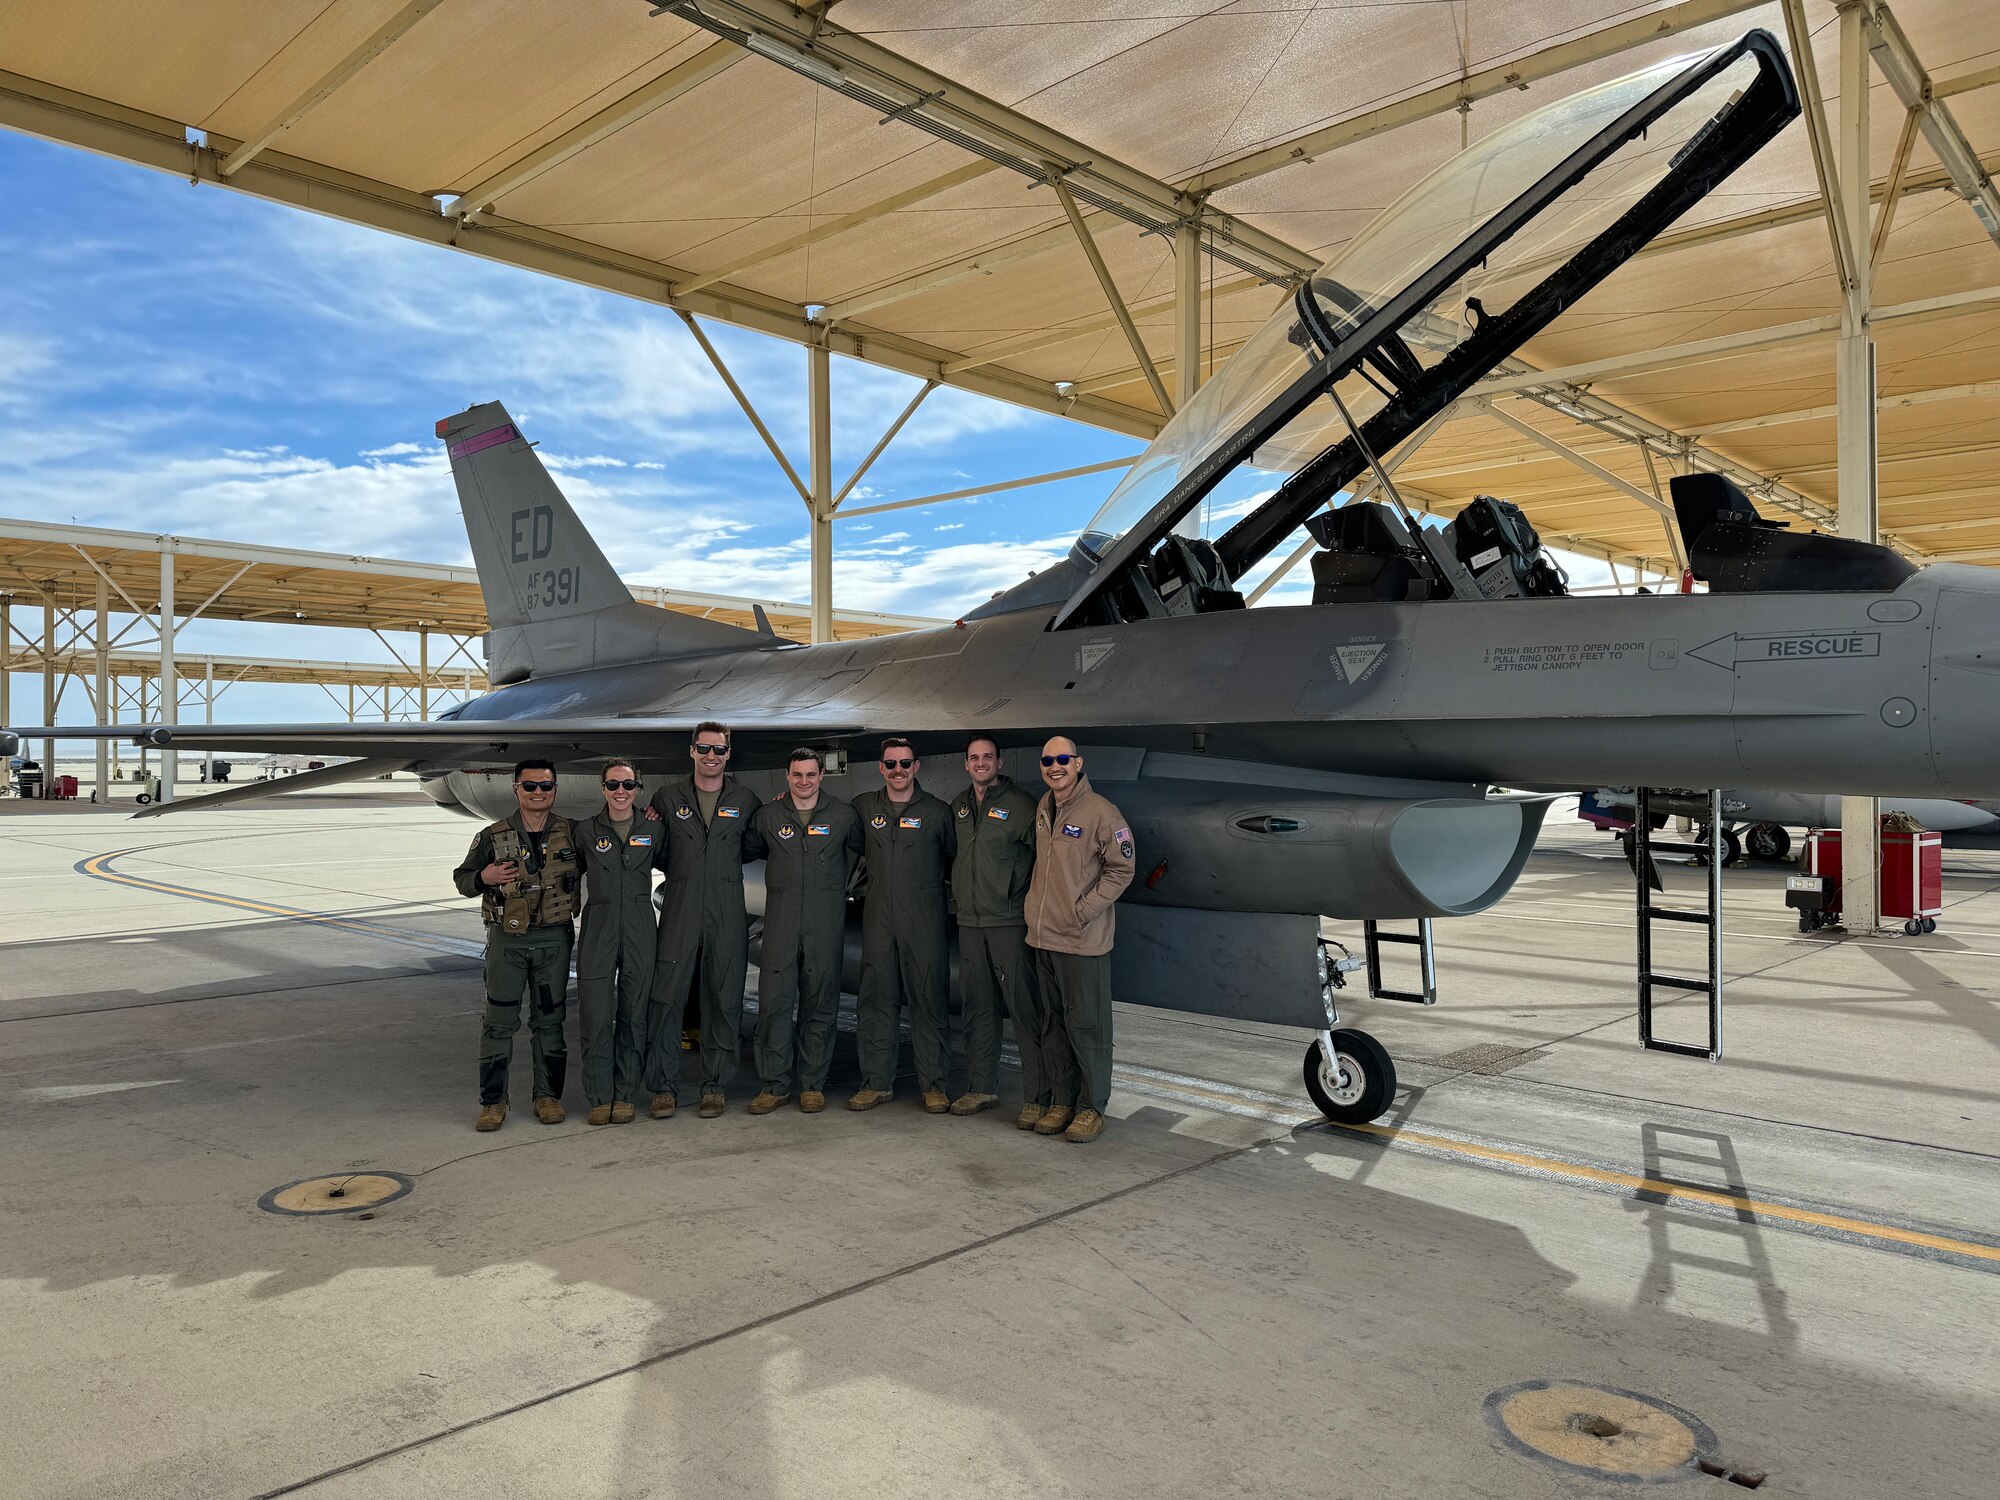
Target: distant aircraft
1286	763
1758	823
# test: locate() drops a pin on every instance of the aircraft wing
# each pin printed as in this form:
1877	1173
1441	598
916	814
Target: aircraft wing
448	741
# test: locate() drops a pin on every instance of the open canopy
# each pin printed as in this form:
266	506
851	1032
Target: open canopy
1437	291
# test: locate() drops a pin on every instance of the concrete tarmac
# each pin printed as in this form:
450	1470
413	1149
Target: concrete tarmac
1797	1248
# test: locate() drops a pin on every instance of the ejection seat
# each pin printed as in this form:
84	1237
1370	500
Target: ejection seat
1365	557
1736	551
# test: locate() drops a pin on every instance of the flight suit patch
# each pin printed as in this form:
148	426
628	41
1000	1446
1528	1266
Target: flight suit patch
963	811
603	844
1072	831
820	829
641	841
909	822
786	831
729	812
878	821
683	812
997	812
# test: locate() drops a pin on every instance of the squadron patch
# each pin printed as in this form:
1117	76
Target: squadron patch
683	812
1072	831
785	830
963	811
878	821
996	812
909	822
603	844
1124	838
821	830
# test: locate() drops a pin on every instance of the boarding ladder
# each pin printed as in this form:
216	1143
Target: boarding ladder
1644	846
1374	938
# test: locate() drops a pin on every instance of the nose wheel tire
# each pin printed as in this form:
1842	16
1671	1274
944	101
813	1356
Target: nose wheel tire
1354	1085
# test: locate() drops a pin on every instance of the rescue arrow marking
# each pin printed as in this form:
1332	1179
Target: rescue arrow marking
1731	651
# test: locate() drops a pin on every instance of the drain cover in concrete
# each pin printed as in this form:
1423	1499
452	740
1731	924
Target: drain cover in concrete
1488	1057
343	1193
1600	1431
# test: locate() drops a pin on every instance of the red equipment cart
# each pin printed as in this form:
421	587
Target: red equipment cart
1912	880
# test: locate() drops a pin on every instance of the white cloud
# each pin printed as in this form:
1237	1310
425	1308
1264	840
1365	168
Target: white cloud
394	450
953	526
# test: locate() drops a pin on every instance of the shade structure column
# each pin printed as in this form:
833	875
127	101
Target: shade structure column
423	676
48	695
1187	313
168	699
819	431
1854	396
106	710
6	659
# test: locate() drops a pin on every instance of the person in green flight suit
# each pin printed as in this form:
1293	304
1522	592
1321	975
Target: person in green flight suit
704	929
905	932
995	824
810	841
524	871
617	945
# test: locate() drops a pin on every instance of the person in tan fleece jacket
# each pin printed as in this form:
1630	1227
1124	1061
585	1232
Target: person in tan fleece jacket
1083	862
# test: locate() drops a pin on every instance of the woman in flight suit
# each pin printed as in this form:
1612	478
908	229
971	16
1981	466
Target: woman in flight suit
614	955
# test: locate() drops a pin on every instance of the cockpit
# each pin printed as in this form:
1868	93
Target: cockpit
1438	291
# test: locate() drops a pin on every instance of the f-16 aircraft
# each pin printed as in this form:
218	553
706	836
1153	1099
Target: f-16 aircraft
1758	823
1281	764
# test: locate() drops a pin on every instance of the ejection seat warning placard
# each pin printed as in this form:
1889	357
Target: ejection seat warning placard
1562	656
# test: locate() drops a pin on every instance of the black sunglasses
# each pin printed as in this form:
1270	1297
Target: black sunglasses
621	786
536	786
896	765
700	749
1059	760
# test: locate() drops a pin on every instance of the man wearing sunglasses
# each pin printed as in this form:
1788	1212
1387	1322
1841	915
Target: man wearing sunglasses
995	825
810	842
704	929
524	871
1083	862
905	932
616	947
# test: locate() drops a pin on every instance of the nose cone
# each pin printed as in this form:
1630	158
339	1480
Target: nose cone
1965	684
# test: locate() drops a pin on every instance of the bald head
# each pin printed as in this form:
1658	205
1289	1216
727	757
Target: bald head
1061	764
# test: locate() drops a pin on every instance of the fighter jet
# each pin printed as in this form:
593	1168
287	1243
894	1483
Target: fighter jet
1282	764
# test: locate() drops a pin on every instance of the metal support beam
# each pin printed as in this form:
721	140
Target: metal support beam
1969	391
50	701
743	401
715	58
106	710
1899	64
1032	343
169	699
819	503
6	659
1485	84
887	438
208	717
1110	287
1563	450
987	489
1821	135
1899	168
819	234
1858	501
328	83
423	676
1187	313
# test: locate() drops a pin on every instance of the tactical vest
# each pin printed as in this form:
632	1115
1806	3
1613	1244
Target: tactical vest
545	899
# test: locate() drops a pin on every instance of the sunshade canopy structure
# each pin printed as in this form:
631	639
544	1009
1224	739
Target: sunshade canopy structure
987	197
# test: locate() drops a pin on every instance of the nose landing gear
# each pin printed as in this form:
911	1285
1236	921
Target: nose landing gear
1348	1073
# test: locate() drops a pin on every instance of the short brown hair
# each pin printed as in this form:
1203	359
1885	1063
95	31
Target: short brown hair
897	742
612	765
983	739
804	752
709	726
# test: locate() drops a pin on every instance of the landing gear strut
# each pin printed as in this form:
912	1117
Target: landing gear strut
1348	1073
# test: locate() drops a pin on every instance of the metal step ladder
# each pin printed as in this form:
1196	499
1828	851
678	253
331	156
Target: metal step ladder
1644	846
1374	938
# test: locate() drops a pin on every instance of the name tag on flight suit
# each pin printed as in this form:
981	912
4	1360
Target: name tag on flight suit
997	812
1071	831
820	829
641	841
910	823
729	812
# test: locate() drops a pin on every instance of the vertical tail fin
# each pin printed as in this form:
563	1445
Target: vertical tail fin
553	602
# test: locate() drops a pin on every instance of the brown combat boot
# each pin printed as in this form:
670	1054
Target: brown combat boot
549	1111
869	1098
711	1104
935	1102
1054	1119
811	1101
1031	1114
1087	1126
600	1114
972	1104
765	1102
622	1112
663	1106
490	1115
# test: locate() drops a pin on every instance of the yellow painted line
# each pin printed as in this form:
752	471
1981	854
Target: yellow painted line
95	866
1762	1210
